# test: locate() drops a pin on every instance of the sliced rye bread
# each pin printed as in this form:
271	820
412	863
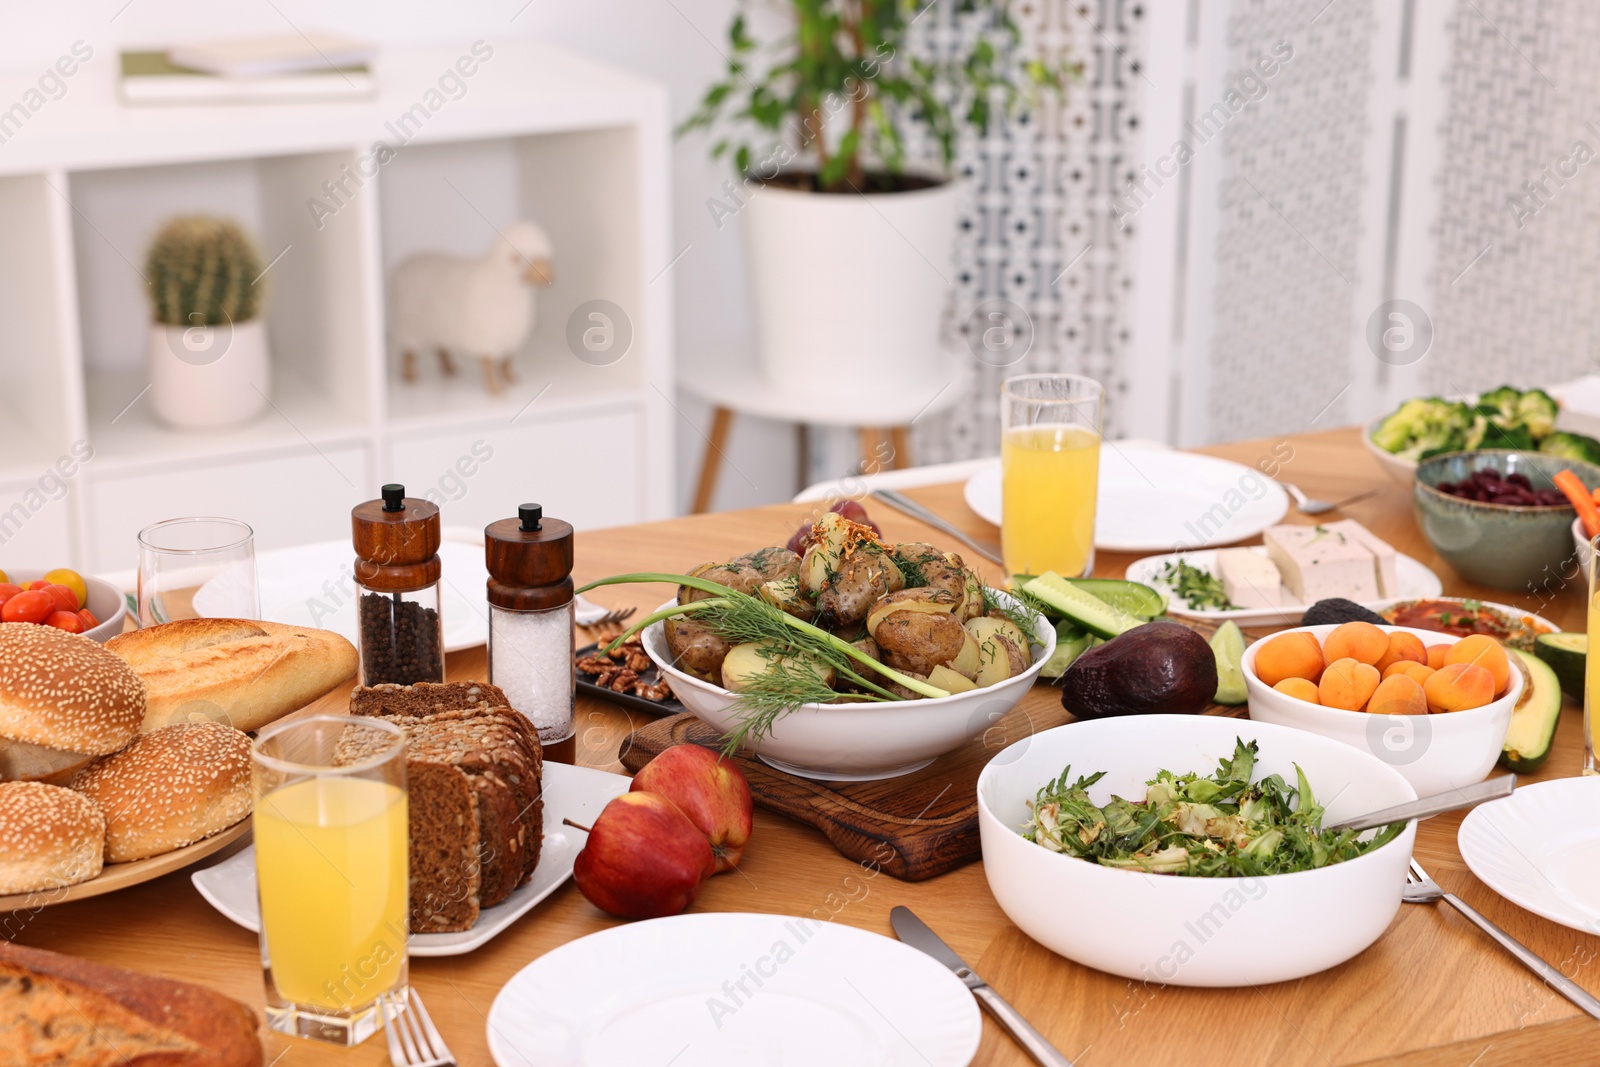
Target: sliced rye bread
445	840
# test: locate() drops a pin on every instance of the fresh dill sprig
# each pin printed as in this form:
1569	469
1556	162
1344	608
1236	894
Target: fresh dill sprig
1023	615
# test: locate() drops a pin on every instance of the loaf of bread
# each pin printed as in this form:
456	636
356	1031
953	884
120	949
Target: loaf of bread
170	788
241	672
63	700
463	730
49	837
60	1010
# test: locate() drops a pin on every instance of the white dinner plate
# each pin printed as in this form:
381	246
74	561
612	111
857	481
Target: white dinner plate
1152	499
576	793
313	585
1540	849
728	989
1417	582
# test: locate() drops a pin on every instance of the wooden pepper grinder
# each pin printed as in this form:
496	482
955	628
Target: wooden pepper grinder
397	571
531	623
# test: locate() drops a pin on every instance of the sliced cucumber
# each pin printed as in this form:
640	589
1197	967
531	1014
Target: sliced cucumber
1567	654
1227	644
1085	609
1071	642
1135	598
1533	720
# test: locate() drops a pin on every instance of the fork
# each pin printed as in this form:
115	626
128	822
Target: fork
1420	889
1307	506
608	625
413	1041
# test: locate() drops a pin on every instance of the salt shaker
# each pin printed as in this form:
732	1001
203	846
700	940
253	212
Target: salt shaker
530	623
397	574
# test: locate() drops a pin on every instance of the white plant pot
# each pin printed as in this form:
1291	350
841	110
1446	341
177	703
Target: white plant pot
208	377
849	286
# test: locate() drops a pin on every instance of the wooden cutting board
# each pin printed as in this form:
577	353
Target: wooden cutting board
914	827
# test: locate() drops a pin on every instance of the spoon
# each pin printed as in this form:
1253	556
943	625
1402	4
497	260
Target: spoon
1307	506
1450	800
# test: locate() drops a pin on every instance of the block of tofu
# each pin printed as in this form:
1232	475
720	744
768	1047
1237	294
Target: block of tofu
1317	562
1250	579
1382	552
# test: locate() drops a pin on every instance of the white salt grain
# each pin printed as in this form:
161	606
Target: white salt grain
530	658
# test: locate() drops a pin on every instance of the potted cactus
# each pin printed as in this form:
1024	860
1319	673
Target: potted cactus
849	240
207	352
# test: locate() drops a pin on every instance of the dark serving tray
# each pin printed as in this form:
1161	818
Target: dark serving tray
586	686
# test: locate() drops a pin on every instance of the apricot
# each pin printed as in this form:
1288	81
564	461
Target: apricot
1458	687
1347	683
1293	655
1360	641
1487	653
1402	648
1417	672
1436	654
1300	689
1398	695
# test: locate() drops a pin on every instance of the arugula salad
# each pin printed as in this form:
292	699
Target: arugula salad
1223	824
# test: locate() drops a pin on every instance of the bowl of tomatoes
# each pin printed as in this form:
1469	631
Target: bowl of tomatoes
64	599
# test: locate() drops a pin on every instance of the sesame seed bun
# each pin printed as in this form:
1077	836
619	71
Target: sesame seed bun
170	788
66	692
49	837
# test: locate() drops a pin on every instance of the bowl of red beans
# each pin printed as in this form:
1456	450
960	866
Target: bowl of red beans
1498	518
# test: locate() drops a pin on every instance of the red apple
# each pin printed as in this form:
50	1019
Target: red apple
644	859
708	789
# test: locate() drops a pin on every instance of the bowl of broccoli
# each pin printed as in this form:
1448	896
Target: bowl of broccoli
1505	419
1503	546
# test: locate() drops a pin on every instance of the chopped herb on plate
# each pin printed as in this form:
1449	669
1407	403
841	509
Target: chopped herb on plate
1200	589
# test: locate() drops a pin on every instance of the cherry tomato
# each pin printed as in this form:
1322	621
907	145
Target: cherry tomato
72	580
38	583
65	620
7	591
30	605
66	599
89	621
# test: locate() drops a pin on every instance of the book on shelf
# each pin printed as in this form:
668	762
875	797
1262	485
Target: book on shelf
151	77
261	57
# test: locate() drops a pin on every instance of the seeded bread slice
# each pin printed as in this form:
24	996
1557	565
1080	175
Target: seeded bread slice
446	883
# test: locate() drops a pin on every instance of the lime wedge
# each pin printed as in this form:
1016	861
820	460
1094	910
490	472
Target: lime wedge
1227	644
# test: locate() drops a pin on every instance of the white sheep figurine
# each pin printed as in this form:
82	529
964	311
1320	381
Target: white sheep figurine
471	307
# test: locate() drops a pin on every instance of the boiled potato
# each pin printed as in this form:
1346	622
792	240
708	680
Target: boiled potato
750	660
845	570
695	648
969	660
1002	659
744	574
985	625
920	599
949	680
918	641
784	594
926	566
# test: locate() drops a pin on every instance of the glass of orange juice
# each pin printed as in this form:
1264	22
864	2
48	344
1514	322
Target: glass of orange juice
1050	472
331	873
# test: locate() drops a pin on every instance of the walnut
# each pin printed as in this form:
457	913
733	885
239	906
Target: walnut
638	661
623	680
595	664
658	692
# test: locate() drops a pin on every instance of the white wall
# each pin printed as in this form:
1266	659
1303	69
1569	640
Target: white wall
675	43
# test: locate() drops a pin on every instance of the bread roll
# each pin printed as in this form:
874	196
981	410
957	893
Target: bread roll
170	788
49	837
240	672
63	1010
65	692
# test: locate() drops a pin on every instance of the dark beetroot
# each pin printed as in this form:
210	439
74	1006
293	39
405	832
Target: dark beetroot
1492	487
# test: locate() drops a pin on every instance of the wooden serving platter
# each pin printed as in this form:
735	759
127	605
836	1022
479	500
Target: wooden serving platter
116	876
914	827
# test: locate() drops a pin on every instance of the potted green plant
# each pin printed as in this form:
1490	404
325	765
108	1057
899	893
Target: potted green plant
207	353
849	243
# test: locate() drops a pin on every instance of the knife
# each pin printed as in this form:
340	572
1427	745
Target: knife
914	932
904	503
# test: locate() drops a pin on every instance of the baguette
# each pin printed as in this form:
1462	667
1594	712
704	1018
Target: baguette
241	672
63	1010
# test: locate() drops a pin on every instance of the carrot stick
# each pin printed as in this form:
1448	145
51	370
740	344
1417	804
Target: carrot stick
1578	493
1597	496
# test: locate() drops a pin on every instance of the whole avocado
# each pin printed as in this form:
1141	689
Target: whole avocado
1160	667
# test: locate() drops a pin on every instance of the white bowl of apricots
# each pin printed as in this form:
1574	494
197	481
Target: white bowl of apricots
1434	706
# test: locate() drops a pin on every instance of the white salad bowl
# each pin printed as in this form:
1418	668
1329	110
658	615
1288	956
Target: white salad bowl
1402	470
1178	929
858	742
1582	552
106	601
1432	752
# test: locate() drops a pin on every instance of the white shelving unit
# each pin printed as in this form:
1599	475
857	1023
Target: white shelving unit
534	132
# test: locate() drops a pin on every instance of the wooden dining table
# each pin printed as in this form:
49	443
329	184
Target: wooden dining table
1432	991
